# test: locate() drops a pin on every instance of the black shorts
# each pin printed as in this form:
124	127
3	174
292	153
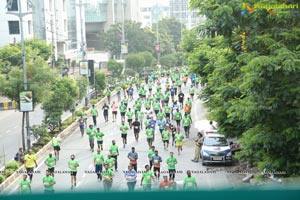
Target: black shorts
100	142
126	104
143	95
56	148
124	136
156	111
168	115
129	120
166	141
192	94
166	101
122	114
73	173
51	170
156	169
180	100
29	170
149	139
115	112
186	128
136	131
150	89
178	121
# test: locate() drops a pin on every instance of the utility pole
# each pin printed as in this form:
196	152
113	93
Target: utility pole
124	48
25	114
113	12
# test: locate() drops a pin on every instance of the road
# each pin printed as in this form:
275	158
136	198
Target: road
78	145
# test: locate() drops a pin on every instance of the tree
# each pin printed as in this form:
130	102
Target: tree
115	68
135	62
171	60
148	57
100	81
82	84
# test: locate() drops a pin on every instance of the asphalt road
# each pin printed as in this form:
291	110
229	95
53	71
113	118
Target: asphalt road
78	145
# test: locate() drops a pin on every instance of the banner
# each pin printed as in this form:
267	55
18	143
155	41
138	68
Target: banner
26	101
83	68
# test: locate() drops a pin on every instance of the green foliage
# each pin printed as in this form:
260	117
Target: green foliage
100	81
171	60
148	57
42	49
12	165
39	131
82	83
115	68
135	62
2	178
9	172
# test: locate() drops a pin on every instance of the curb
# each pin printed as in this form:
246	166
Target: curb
40	155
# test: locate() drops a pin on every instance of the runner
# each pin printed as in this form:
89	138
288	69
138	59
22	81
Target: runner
114	109
167	112
146	181
105	109
50	161
156	160
156	107
133	157
129	115
107	175
179	141
114	152
94	113
192	92
91	132
56	141
140	117
130	93
150	135
189	182
187	124
152	124
189	102
171	161
161	125
175	107
98	162
110	162
24	185
124	129
130	176
181	99
136	129
73	165
123	109
108	95
185	79
81	122
99	137
30	162
85	117
118	89
198	144
48	182
165	184
173	131
178	117
165	138
172	92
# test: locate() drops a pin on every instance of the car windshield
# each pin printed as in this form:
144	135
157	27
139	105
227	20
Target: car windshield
215	141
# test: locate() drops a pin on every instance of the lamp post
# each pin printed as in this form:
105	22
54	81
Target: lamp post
124	49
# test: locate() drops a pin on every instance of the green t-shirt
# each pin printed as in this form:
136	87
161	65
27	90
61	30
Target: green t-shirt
147	177
140	114
186	121
91	132
107	175
178	115
165	135
110	162
189	102
189	182
94	112
168	109
156	105
166	97
114	150
151	153
192	90
56	141
160	115
149	132
125	100
129	114
144	91
150	86
99	158
73	164
50	162
99	136
171	162
123	108
48	183
108	92
179	137
118	89
148	104
123	129
25	186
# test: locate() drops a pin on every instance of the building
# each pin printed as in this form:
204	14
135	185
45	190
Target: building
10	24
179	9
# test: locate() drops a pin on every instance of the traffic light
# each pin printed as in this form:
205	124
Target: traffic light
91	72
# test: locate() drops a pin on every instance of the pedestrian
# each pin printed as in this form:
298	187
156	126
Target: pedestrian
133	157
165	184
107	178
108	95
173	131
181	99
73	165
130	176
50	161
178	117
136	128
171	162
19	157
110	162
99	137
124	129
91	132
114	109
198	144
123	109
24	185
30	162
81	122
129	115
48	182
189	182
151	153
150	136
98	162
56	141
179	141
147	179
114	152
156	160
165	138
192	92
105	109
94	113
187	124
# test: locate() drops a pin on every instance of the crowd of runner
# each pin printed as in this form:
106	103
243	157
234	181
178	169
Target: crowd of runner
161	105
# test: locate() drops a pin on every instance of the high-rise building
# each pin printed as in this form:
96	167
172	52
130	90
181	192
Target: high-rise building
179	9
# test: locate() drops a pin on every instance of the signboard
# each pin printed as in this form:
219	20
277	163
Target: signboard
157	48
26	101
124	49
83	68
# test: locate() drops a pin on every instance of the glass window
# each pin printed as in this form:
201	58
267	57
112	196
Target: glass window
215	141
14	27
29	27
12	5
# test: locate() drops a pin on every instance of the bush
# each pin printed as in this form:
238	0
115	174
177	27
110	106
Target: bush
9	172
12	165
2	178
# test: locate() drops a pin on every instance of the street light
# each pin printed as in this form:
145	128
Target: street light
124	48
